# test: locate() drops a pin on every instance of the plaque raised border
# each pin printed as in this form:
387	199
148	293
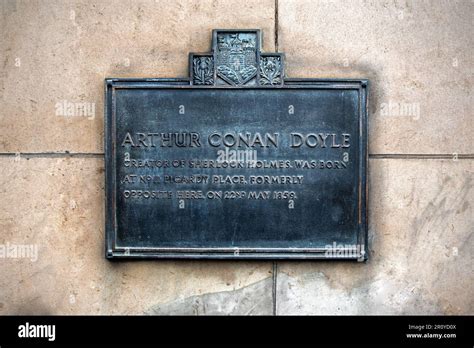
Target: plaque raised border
214	70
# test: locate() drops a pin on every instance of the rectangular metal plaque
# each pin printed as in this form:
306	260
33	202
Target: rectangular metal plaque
236	161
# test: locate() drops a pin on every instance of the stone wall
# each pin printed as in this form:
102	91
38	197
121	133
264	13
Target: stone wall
418	57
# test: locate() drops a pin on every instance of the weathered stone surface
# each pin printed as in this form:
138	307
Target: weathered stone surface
417	55
252	299
57	205
421	252
55	51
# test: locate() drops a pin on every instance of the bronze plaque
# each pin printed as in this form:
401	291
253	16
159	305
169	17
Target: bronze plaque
237	161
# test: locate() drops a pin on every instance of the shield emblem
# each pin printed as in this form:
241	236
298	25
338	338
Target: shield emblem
236	57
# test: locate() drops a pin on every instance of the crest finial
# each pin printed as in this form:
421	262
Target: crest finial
236	60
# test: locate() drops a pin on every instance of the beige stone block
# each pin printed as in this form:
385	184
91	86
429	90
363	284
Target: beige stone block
56	51
417	55
421	248
57	206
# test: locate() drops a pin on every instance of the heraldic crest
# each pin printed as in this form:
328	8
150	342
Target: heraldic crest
236	60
